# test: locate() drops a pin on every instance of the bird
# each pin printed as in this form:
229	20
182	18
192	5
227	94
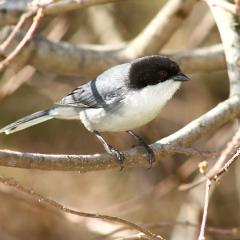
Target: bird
121	99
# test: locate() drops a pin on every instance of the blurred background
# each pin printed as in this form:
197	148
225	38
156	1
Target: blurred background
140	195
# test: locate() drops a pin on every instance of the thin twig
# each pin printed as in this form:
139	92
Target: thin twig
11	36
153	37
232	232
225	168
224	156
205	211
24	41
43	200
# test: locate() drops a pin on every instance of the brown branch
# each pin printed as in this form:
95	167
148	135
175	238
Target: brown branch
11	36
232	232
23	42
85	163
43	200
226	166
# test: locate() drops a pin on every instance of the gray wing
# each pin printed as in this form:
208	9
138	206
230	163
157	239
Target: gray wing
107	89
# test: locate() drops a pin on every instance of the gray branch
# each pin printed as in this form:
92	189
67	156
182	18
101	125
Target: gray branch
149	41
209	122
82	58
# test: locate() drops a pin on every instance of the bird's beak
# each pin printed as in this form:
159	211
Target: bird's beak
181	77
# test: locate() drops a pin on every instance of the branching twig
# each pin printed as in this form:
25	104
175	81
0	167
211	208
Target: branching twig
43	200
23	42
226	166
225	155
11	36
149	41
228	25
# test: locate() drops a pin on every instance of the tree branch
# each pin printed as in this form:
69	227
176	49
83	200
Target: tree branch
229	30
210	121
149	41
43	200
10	11
228	25
82	58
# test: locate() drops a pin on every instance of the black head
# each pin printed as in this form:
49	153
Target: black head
152	70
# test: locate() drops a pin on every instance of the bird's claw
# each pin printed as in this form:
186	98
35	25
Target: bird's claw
119	156
150	153
151	156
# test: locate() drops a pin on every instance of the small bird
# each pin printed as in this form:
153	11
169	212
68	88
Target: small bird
122	98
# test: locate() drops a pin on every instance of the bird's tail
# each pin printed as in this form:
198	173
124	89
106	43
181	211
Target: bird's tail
27	121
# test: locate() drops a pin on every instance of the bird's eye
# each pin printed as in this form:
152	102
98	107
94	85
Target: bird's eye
163	73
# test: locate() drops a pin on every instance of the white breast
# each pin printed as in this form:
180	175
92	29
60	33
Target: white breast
138	108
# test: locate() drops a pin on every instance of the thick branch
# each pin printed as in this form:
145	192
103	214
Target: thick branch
210	121
160	29
228	25
229	29
204	59
82	58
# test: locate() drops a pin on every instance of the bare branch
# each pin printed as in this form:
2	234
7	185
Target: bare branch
226	166
20	23
11	10
218	166
23	42
228	25
160	29
205	211
206	59
210	121
149	41
43	200
82	58
229	30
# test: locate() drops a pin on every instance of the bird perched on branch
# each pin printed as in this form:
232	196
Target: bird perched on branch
122	98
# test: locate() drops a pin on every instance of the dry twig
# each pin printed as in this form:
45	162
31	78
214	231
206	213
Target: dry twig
43	200
17	28
205	211
23	42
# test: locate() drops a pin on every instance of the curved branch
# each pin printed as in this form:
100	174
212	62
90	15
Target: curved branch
205	59
210	121
228	25
82	58
10	182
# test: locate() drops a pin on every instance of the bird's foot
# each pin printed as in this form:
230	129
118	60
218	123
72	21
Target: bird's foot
118	154
150	153
111	150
